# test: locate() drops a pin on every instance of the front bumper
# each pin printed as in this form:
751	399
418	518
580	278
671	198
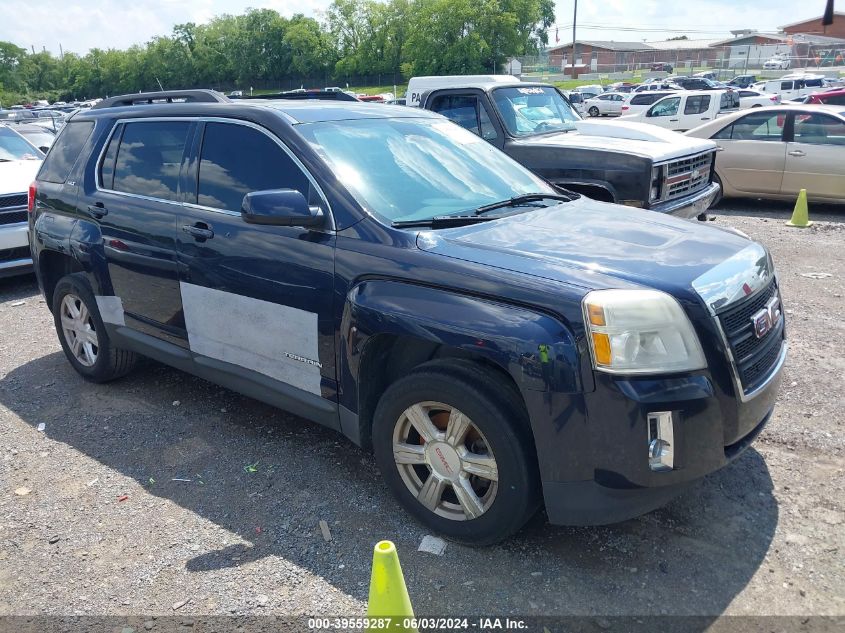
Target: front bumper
691	206
609	479
15	257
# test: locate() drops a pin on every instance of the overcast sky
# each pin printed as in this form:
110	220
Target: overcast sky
80	25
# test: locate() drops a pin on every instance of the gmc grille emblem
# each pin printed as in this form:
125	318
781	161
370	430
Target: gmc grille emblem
766	317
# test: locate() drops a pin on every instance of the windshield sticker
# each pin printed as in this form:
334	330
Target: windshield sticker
530	91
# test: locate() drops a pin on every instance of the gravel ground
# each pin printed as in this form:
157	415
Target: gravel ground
162	488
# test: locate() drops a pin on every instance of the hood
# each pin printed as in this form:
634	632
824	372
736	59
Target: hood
641	139
584	242
17	175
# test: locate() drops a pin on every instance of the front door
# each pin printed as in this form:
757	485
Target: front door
257	298
815	159
137	204
754	156
665	113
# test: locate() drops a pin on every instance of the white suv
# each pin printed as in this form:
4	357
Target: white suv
19	162
780	61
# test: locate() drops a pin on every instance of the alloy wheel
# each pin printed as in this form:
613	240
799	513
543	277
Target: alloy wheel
445	461
79	330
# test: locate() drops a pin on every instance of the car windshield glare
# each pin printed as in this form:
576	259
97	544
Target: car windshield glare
416	169
534	110
14	147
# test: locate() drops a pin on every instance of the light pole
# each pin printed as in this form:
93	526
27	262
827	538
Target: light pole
574	20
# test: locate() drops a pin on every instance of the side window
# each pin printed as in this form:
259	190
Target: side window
106	170
667	107
236	160
819	129
65	151
467	112
728	101
149	158
835	100
764	126
786	85
697	104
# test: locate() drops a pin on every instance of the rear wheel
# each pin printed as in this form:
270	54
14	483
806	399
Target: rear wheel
593	111
82	333
454	446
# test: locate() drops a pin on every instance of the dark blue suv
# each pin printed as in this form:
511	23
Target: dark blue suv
500	344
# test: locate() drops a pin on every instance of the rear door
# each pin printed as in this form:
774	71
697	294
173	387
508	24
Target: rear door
815	157
696	111
137	200
258	298
754	152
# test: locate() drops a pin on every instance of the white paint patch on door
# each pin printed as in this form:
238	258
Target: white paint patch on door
268	338
111	309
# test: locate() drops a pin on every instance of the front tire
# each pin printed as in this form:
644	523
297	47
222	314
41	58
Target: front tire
83	335
593	111
454	445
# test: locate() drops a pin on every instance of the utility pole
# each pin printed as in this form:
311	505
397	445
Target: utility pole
574	20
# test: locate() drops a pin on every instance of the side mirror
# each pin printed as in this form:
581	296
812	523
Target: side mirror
44	148
279	207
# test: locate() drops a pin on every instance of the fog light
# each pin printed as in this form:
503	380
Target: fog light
661	441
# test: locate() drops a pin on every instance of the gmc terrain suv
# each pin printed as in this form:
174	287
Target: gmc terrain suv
499	343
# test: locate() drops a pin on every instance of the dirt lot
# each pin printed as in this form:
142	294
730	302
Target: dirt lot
765	536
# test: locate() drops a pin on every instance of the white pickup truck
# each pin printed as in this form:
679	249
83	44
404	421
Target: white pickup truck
686	110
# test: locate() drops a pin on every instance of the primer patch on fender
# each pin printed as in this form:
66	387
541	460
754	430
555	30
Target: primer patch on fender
111	309
271	339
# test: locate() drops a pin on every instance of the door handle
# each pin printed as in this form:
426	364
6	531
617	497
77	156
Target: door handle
200	230
673	120
705	118
796	152
97	210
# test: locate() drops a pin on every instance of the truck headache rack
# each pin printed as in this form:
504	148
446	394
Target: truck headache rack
164	96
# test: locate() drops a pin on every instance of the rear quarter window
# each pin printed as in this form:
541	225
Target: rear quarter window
65	150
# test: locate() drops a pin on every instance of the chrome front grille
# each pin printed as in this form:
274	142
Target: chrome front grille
753	356
686	176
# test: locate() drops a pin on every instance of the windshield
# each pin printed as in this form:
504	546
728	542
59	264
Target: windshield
534	110
14	147
416	169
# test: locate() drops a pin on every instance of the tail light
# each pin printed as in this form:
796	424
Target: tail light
30	198
626	108
775	98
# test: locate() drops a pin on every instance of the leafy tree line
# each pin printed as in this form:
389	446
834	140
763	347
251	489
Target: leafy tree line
263	48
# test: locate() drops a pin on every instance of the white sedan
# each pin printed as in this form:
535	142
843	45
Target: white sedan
756	99
605	104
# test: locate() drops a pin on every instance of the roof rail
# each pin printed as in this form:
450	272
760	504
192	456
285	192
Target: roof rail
322	95
165	96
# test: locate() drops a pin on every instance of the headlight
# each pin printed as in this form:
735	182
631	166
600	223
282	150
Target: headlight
640	332
655	182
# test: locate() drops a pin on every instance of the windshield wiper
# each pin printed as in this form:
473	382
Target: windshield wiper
444	221
517	201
